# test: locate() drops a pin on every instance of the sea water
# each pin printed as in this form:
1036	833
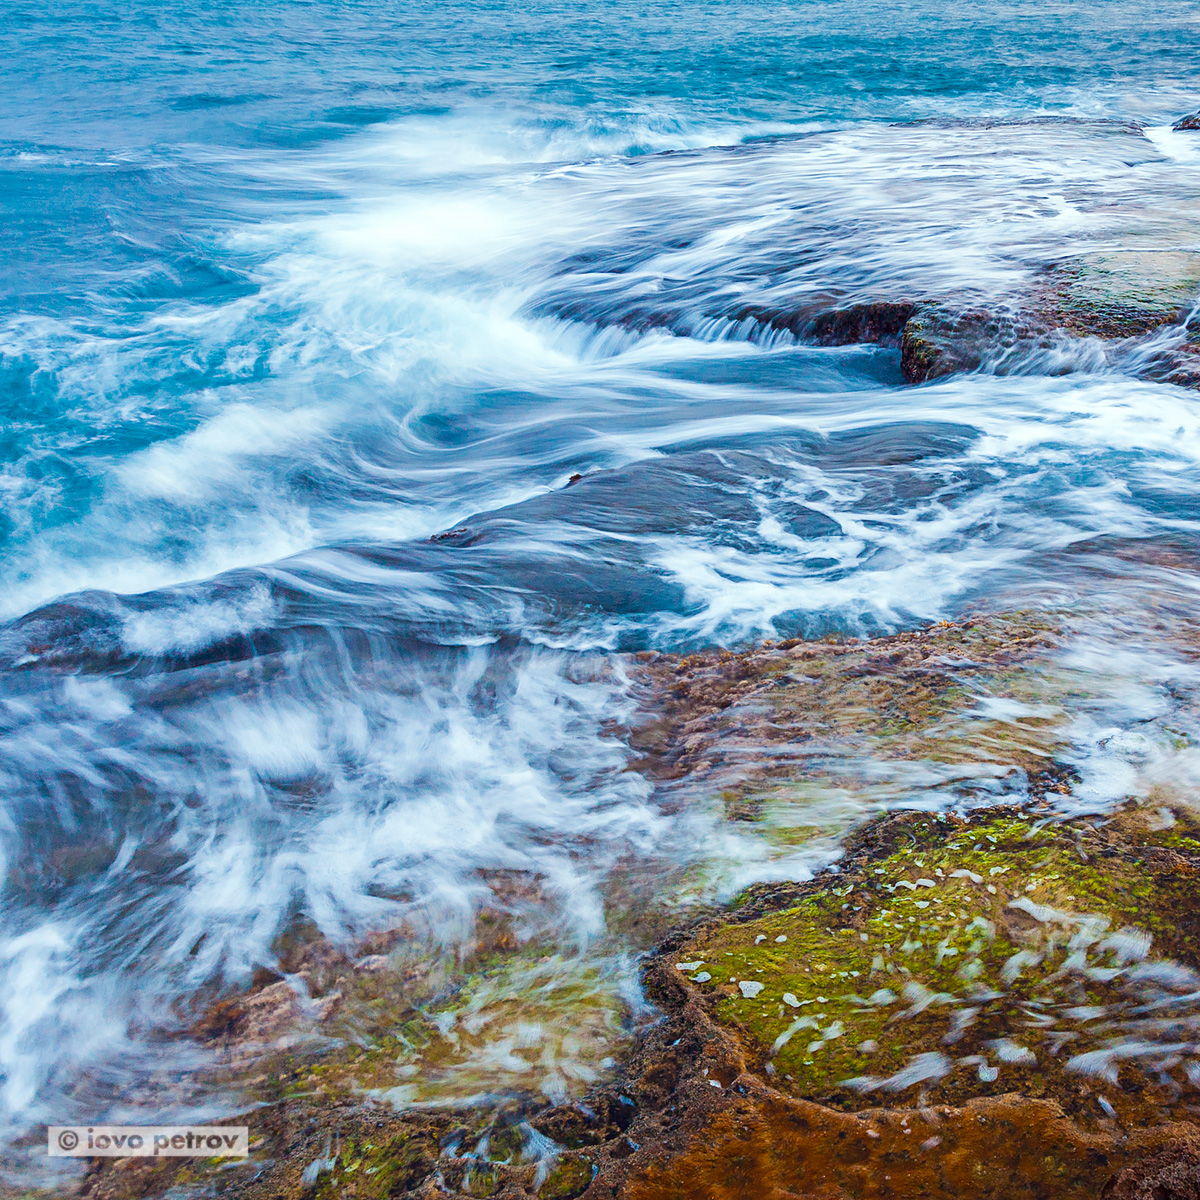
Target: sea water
313	312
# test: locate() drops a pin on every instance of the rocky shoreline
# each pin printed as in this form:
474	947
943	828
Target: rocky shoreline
707	1106
987	1000
991	1000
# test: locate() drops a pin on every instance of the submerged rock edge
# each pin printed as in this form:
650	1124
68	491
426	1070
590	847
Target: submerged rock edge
694	1110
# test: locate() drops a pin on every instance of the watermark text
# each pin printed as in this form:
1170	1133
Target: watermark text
155	1141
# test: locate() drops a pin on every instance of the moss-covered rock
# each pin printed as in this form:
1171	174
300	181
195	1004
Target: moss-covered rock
374	1169
959	958
1123	292
569	1176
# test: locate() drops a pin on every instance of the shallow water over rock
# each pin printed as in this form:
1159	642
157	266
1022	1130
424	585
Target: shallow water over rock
417	424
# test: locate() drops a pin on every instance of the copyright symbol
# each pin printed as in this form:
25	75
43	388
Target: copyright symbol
68	1139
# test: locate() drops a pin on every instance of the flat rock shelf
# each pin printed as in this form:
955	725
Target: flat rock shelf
988	1000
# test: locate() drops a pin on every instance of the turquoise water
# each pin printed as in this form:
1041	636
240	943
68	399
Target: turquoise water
310	314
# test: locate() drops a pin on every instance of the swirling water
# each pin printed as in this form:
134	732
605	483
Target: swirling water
312	312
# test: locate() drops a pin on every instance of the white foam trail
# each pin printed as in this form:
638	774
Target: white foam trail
290	799
423	350
401	303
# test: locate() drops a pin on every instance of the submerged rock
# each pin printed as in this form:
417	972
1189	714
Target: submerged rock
1191	121
938	340
989	1001
806	737
1122	293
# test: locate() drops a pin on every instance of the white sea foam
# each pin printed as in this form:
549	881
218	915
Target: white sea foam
401	304
465	321
338	805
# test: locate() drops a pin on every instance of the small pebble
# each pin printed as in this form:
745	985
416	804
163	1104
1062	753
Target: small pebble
782	937
372	963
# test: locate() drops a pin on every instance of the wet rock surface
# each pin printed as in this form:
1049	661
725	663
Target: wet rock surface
1129	293
1173	1173
990	1000
802	720
951	959
1127	300
706	1106
879	322
939	340
1124	292
801	1084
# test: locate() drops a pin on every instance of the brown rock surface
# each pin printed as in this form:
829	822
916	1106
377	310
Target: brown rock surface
1008	941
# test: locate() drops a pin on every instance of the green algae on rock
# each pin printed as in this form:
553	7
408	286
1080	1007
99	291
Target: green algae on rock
987	1000
1124	292
320	1147
568	1177
956	958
